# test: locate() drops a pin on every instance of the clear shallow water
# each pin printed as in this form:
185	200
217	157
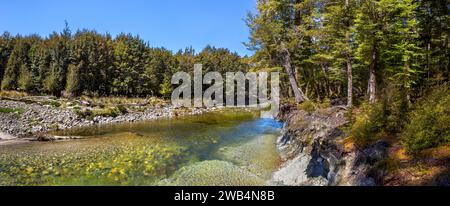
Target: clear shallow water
222	148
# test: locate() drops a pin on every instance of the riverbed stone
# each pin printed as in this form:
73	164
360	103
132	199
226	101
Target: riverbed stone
38	118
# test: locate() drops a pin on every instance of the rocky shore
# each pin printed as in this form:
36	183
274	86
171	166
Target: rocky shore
28	119
315	152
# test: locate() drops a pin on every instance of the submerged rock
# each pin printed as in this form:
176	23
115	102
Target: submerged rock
259	155
213	173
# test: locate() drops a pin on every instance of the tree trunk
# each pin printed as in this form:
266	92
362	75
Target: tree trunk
286	58
349	66
349	83
372	78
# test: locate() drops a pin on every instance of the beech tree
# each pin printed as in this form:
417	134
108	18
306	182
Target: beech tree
278	31
339	18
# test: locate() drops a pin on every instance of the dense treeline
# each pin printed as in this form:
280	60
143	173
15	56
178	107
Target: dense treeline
370	44
388	53
89	63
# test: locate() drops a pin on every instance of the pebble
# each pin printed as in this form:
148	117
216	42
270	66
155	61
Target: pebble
41	119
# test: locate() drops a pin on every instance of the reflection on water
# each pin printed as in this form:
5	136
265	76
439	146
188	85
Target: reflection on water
222	148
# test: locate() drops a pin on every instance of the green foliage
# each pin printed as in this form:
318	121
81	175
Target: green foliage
307	106
122	109
83	113
73	87
382	120
369	124
101	112
6	47
18	61
9	110
52	103
93	64
166	88
25	80
429	125
129	64
55	75
107	112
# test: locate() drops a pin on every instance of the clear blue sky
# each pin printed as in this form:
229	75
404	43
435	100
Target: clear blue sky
174	24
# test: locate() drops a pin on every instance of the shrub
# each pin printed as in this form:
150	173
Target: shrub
382	120
122	109
52	103
324	104
307	106
83	113
108	112
13	94
429	124
368	124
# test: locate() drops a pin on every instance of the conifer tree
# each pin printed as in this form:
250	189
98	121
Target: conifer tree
278	32
6	47
17	61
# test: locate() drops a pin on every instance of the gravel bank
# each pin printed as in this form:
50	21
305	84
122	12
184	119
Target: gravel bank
29	119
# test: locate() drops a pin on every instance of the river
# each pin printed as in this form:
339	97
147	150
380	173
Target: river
221	148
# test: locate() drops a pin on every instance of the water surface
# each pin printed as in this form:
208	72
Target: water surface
220	148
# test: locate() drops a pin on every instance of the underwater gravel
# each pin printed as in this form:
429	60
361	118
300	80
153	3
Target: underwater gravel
213	173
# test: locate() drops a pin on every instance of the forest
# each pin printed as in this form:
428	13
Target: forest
388	60
93	64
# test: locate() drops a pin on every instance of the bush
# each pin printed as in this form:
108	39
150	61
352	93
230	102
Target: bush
369	124
108	112
13	94
122	109
83	113
383	120
429	124
307	106
52	103
324	104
